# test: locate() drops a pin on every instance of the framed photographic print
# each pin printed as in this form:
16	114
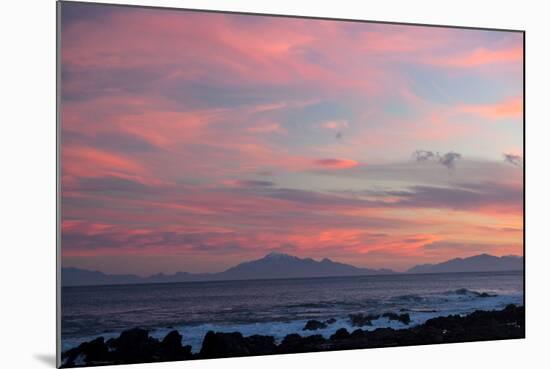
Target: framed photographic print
236	184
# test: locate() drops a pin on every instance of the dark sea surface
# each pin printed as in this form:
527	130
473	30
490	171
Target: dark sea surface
277	307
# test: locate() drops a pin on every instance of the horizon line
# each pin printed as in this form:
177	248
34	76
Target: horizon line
405	270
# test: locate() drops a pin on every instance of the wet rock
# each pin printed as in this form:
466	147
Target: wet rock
294	343
313	325
383	337
340	334
134	346
261	345
358	334
330	321
171	348
172	340
403	318
217	344
361	320
485	294
95	351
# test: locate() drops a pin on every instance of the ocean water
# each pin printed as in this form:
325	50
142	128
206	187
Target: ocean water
277	307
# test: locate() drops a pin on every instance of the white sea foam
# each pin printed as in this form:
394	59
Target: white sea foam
295	305
461	302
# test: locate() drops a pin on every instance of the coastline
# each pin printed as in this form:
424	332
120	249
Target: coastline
137	346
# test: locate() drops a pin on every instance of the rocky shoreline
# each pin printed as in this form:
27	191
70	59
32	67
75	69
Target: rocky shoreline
136	346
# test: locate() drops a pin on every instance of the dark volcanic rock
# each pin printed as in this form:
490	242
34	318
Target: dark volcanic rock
360	320
172	340
132	346
313	325
485	294
294	343
403	318
477	326
340	334
216	345
358	334
482	325
330	321
291	340
261	345
90	352
135	345
171	348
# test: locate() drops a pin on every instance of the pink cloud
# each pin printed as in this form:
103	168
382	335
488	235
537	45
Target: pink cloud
91	162
510	108
481	56
336	163
335	124
168	118
268	128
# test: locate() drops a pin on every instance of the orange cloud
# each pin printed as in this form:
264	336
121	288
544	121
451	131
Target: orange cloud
335	124
481	56
511	108
336	163
163	142
85	227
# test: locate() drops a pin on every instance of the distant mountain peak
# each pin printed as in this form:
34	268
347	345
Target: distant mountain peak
272	266
283	256
477	263
484	255
278	255
281	265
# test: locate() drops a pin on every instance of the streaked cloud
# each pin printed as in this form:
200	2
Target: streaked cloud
336	125
482	56
336	163
200	139
248	183
509	108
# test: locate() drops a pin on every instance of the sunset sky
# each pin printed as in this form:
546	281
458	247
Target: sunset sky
193	141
